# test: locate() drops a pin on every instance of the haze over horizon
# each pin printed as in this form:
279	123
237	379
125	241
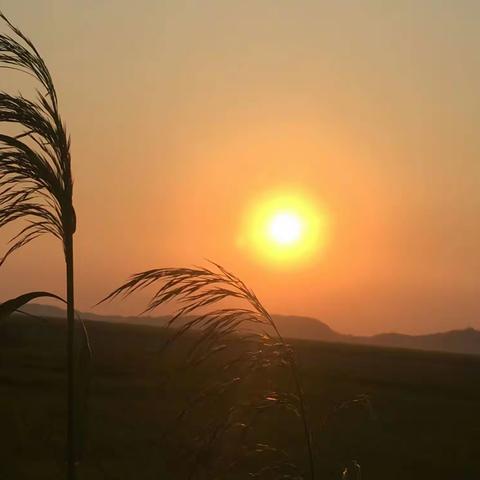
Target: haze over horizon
183	115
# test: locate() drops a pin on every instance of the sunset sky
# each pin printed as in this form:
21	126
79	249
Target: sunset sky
186	116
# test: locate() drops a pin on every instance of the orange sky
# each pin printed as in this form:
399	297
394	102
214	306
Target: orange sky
182	113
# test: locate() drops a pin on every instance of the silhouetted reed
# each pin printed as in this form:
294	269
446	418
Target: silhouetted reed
36	179
249	342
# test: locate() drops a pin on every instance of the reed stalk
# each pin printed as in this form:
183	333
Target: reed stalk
36	187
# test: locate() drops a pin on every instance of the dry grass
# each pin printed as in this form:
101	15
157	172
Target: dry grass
248	340
35	172
35	177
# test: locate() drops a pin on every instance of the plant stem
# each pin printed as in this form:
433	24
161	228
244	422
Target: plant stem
301	396
71	434
303	412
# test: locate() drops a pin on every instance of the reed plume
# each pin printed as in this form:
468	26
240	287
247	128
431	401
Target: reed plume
36	179
197	290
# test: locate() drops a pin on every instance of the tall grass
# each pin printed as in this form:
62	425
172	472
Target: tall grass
197	290
36	179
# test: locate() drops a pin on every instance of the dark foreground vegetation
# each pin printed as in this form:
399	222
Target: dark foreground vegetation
422	420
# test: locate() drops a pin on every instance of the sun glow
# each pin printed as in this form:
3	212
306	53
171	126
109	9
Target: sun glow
286	228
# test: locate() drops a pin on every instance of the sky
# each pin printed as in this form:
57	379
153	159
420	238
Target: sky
185	115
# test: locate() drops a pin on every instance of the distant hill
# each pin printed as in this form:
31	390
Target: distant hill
308	328
458	341
290	326
455	341
56	312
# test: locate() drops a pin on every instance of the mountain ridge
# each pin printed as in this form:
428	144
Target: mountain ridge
309	328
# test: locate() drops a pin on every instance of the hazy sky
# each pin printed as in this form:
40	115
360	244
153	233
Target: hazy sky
183	113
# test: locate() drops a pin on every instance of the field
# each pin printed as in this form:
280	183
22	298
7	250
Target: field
423	422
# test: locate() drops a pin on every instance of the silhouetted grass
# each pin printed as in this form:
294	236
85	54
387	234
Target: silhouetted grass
248	340
36	179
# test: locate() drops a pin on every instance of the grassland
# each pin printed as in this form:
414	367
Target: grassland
424	422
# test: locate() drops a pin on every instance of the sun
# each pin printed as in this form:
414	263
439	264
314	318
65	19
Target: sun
285	228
